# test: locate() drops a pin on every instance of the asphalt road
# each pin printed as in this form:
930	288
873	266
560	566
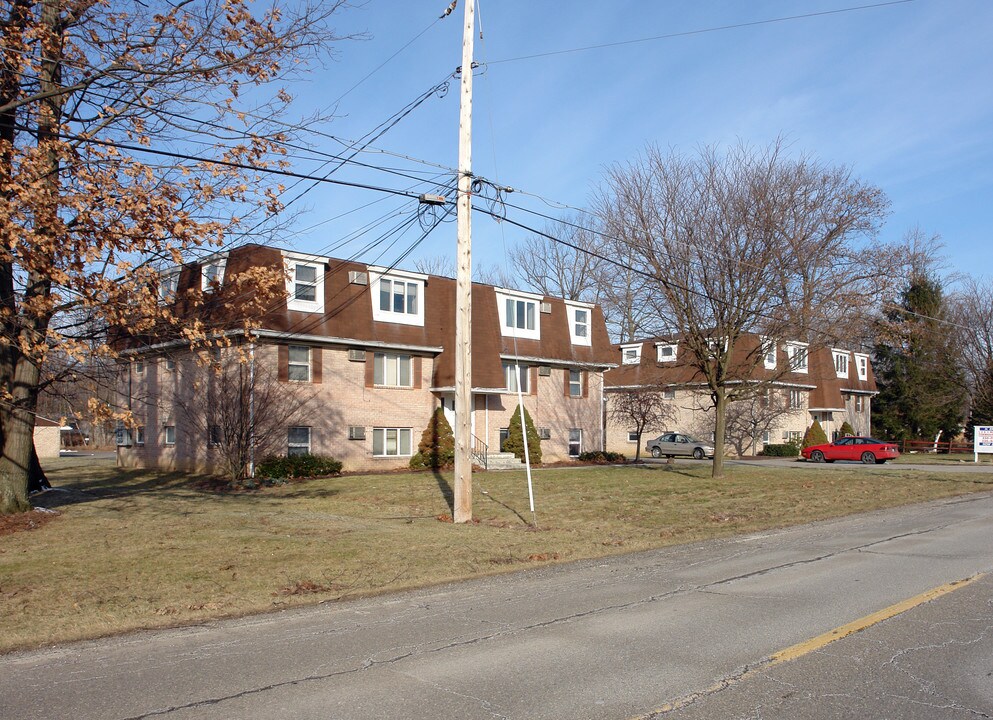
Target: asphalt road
616	638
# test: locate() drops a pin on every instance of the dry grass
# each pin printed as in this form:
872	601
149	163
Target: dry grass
142	549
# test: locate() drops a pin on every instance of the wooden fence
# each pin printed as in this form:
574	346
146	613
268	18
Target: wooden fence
929	446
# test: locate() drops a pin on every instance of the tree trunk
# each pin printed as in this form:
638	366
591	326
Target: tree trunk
720	430
37	479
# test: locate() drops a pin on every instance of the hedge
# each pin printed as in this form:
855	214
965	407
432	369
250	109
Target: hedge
298	466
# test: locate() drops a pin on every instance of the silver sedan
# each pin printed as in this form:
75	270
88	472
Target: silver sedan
677	444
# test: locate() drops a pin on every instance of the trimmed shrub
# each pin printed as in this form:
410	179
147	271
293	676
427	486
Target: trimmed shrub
600	457
814	436
788	449
515	439
846	430
298	466
437	447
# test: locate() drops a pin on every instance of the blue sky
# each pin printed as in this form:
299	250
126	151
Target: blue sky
902	94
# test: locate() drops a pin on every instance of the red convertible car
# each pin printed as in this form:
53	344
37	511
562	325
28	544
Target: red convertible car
864	449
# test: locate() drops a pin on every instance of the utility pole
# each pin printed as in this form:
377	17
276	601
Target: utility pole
463	299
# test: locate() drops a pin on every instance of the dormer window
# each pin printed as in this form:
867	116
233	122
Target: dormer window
397	297
666	352
769	353
168	285
579	323
212	275
840	363
797	354
862	366
631	354
305	283
519	316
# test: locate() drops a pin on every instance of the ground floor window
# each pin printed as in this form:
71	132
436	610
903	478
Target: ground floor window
387	442
170	434
792	436
632	436
504	434
298	441
575	442
213	435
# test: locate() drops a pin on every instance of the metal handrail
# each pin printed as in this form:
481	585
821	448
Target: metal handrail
479	452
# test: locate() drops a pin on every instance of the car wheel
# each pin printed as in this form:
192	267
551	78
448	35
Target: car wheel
656	452
868	458
698	453
817	456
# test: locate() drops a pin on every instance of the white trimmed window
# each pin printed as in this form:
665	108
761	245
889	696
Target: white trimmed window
631	354
511	373
575	383
397	297
170	434
168	285
797	354
632	436
139	367
170	364
796	399
862	366
579	324
297	441
139	435
212	275
305	285
769	353
298	363
666	352
840	363
859	403
390	442
792	436
392	370
520	316
669	394
575	442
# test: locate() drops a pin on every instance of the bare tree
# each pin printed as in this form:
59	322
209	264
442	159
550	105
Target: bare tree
640	409
737	243
443	265
239	407
972	314
749	418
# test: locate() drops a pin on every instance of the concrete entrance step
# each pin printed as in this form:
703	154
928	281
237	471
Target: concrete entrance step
503	461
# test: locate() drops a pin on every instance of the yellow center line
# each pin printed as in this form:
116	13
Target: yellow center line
808	646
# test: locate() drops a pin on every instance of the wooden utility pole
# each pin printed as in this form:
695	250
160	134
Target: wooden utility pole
463	300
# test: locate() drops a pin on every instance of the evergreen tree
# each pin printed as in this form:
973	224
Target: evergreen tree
515	439
437	446
846	430
815	435
919	368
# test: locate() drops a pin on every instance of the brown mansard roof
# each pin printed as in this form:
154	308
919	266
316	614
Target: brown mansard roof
827	389
348	318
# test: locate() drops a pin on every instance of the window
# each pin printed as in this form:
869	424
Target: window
390	442
796	399
139	435
840	363
575	383
298	441
168	285
769	354
305	284
392	370
211	275
213	435
579	324
170	434
630	354
504	434
632	436
668	394
298	365
667	353
714	346
797	354
397	297
139	367
765	437
519	316
862	366
215	355
575	442
859	403
170	364
792	436
513	371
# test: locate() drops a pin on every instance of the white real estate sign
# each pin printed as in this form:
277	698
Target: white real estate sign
982	441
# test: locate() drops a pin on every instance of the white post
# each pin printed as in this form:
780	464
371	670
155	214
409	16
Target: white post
463	299
251	410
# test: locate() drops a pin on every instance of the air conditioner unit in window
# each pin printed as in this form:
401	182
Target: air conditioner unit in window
546	307
544	370
357	277
544	434
356	432
356	355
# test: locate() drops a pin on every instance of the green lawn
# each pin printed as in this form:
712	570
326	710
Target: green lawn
142	549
